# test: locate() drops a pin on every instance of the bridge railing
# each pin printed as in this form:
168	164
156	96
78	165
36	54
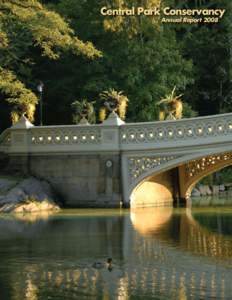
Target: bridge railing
65	135
23	137
114	135
176	133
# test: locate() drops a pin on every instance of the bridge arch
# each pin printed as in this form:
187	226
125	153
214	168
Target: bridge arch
160	174
204	167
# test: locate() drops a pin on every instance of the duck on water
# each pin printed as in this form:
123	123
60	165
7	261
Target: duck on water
101	265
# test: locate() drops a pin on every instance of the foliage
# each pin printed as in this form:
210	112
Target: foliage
170	97
83	110
209	47
29	30
48	30
225	175
170	105
188	112
137	54
145	64
14	89
134	25
113	101
17	93
221	177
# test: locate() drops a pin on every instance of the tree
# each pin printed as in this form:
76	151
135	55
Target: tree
28	30
141	57
209	46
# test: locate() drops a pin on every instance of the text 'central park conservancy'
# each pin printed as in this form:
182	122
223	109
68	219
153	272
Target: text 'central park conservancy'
156	11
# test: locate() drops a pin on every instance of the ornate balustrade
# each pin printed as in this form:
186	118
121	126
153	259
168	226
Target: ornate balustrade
65	135
114	135
176	133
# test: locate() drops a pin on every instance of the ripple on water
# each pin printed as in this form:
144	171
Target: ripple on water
157	254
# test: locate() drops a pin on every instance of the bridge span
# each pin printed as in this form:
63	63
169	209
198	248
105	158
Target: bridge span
139	164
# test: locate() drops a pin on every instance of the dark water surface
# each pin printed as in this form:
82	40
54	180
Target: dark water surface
158	253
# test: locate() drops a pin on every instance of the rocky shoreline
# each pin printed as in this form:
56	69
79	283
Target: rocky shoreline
26	195
212	190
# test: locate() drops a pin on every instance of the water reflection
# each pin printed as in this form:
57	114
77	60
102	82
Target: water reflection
149	220
33	217
158	253
201	232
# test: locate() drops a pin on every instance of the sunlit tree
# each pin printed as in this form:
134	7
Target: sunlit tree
27	26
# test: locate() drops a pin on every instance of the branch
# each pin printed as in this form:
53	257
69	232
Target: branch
22	5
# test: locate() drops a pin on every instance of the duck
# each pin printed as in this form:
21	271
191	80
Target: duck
109	264
101	265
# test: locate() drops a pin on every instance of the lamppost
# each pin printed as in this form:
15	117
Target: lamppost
40	90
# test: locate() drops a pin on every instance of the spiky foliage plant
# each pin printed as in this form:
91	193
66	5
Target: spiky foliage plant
171	104
113	101
83	109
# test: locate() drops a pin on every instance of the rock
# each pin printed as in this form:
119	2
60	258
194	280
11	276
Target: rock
215	189
35	207
195	193
204	190
6	184
14	196
29	195
29	207
41	190
221	188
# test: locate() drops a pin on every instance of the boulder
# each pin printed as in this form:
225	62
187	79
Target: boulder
204	190
6	184
221	188
15	195
29	195
37	189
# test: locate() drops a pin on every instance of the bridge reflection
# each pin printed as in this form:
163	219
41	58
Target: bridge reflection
192	235
157	252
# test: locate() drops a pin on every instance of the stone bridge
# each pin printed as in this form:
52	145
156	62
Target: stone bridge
105	165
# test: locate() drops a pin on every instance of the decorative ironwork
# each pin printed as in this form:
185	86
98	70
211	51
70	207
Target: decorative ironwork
140	165
195	167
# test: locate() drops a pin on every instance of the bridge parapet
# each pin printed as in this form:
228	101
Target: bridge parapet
167	134
113	135
23	137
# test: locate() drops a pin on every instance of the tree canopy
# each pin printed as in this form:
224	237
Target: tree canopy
139	55
28	29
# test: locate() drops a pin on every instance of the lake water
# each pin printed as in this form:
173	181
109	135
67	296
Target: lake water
158	253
